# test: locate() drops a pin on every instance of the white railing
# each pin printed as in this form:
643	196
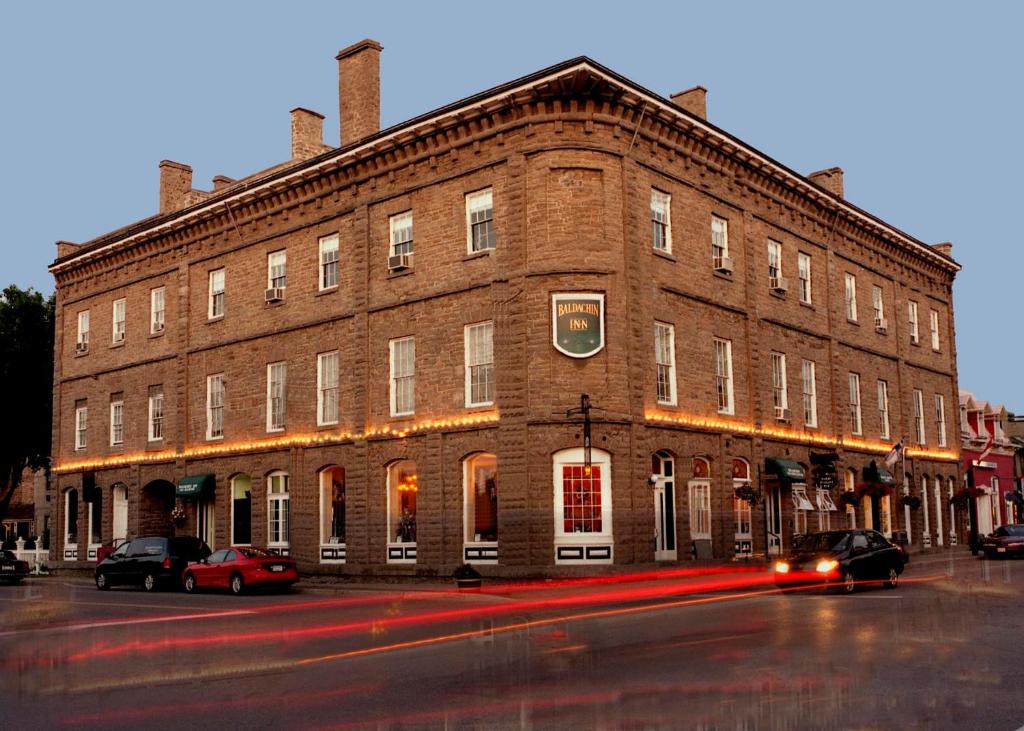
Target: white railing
37	557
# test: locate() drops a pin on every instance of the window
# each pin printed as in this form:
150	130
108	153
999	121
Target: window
851	297
810	393
719	239
401	233
215	406
661	221
332	507
780	393
156	309
850	481
723	375
802	508
883	409
403	376
277	510
116	419
933	322
774	262
215	308
918	416
878	305
582	495
156	413
940	418
700	499
479	360
826	506
403	486
327	388
480	234
82	340
741	508
803	267
856	427
277	374
665	362
915	336
70	518
481	480
81	424
277	269
118	320
328	262
95	518
241	510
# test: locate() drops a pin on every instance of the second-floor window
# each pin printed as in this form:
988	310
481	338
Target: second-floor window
116	420
81	425
400	227
851	297
327	388
856	426
933	322
480	234
277	269
661	221
403	376
940	418
810	393
915	335
780	391
878	305
83	330
215	406
723	375
329	262
156	309
774	262
803	265
719	239
665	362
883	409
215	307
479	355
156	414
277	374
918	416
119	320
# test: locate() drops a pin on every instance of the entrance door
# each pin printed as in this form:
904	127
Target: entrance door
984	515
773	518
664	508
120	514
205	521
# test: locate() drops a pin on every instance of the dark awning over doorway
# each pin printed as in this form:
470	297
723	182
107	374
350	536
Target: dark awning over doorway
880	475
195	486
785	469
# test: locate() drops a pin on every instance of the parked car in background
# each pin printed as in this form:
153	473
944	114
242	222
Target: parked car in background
1006	541
841	559
12	569
240	568
150	562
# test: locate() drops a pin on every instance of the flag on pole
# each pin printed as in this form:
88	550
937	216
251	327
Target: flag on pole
894	454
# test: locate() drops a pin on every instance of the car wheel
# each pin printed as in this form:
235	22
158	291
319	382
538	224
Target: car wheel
102	582
190	582
894	578
847	584
149	582
237	584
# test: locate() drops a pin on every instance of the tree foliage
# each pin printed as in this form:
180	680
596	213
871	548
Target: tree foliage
26	385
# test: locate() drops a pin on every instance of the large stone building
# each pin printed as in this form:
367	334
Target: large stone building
366	356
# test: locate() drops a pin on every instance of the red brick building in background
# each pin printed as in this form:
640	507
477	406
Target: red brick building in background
989	451
366	356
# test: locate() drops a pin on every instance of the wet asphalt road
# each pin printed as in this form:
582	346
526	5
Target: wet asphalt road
944	650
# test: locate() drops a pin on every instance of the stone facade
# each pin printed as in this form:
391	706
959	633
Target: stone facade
571	155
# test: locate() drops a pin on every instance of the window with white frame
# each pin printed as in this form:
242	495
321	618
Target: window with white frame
856	426
400	227
919	435
481	495
803	267
940	418
883	409
809	387
851	297
479	364
215	406
480	235
849	485
878	305
277	269
780	391
327	388
933	322
583	495
215	303
915	335
157	304
774	262
277	375
403	376
116	419
661	221
332	506
81	424
119	320
329	262
825	508
665	362
723	375
700	499
741	508
70	518
403	487
156	413
82	340
278	500
719	239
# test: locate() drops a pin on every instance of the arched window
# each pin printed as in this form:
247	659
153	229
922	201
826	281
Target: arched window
481	498
926	537
701	468
278	501
119	510
71	524
938	510
95	521
700	499
241	510
332	514
742	508
403	486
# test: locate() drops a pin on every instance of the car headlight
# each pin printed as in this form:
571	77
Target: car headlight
825	567
781	567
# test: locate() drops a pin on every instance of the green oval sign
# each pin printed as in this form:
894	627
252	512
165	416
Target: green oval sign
577	323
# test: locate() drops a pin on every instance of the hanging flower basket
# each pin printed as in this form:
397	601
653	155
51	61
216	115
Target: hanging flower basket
178	514
976	491
911	501
960	499
847	499
873	489
747	493
467	577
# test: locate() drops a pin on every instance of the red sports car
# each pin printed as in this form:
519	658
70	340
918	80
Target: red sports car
239	568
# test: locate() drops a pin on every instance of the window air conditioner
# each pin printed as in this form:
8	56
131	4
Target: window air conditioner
158	327
399	262
275	294
119	337
782	413
881	325
779	284
723	264
82	346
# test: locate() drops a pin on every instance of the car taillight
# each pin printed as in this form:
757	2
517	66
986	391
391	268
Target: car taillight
167	562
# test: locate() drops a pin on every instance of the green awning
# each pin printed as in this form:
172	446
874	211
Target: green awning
195	486
880	475
785	469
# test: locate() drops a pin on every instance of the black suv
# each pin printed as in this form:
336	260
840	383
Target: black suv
150	562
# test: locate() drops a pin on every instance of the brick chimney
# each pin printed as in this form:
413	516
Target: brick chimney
359	90
307	133
175	185
830	179
946	247
694	100
221	181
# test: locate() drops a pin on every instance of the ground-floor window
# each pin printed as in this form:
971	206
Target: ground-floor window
826	506
849	484
801	508
70	517
241	510
96	518
119	518
938	510
481	492
926	536
278	501
700	499
206	520
403	486
582	494
741	508
332	506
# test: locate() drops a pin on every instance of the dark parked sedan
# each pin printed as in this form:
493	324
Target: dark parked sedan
12	569
841	559
1005	541
150	562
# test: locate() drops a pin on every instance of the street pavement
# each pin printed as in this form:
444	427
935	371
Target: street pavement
679	648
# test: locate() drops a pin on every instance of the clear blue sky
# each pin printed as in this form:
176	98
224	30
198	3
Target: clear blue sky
920	103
